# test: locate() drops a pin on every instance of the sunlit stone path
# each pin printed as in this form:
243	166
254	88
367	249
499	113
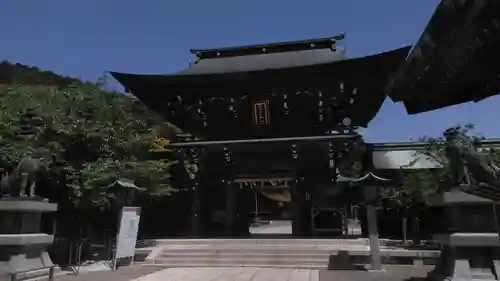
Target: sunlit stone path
154	273
231	274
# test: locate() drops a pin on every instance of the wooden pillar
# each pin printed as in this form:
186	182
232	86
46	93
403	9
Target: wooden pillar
232	191
244	210
231	210
197	207
197	220
306	210
298	196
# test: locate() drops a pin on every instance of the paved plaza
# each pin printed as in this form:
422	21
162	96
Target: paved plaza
149	273
232	274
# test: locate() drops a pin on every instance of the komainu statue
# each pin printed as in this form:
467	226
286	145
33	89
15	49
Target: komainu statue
471	168
22	179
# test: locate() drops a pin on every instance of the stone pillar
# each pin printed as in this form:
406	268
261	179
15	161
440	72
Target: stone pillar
231	207
371	194
371	216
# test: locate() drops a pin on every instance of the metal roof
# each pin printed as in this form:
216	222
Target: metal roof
214	71
263	57
264	61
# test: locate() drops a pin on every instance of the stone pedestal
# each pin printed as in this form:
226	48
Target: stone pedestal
467	233
22	246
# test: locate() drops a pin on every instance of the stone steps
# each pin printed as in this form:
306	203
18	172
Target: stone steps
297	253
203	260
273	242
231	262
291	253
39	274
259	249
297	261
266	256
173	265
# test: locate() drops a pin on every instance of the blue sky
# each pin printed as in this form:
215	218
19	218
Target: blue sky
85	39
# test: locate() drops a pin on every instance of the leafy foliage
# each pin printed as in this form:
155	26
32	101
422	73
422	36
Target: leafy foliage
87	139
418	185
11	73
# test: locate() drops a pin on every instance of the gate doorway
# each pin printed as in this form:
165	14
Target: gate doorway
272	205
328	222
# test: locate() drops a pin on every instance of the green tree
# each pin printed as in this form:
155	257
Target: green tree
87	139
418	185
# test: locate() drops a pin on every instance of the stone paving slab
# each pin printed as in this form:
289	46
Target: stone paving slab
145	273
232	274
391	273
122	274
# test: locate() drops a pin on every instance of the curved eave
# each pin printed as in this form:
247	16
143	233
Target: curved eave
134	82
369	73
444	70
413	54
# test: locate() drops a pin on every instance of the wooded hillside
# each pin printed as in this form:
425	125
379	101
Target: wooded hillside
87	139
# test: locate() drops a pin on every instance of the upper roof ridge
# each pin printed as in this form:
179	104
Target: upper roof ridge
287	46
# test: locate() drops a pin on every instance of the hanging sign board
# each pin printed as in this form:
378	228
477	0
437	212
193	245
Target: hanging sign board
127	232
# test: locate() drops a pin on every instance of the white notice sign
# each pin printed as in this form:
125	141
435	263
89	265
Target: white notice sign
127	232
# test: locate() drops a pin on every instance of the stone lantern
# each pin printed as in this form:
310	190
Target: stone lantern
371	184
22	246
467	231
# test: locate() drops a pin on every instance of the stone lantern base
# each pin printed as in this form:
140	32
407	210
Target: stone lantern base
22	246
471	256
468	235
